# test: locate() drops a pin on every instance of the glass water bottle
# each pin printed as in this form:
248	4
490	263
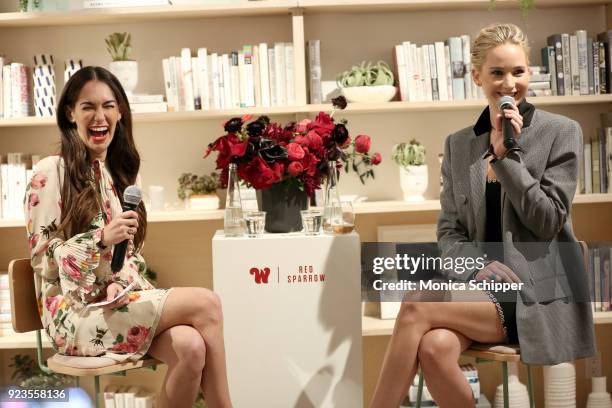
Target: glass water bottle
332	212
233	222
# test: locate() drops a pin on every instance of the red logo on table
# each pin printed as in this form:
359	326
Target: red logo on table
261	275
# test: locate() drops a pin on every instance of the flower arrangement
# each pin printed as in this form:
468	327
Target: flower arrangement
408	154
267	153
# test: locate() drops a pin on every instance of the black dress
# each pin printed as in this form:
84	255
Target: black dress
505	309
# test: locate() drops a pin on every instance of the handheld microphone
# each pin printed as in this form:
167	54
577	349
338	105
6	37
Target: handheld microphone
506	102
131	198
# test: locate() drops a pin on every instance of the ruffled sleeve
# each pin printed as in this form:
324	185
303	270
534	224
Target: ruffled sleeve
73	261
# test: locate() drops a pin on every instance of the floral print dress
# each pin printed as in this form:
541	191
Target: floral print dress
71	273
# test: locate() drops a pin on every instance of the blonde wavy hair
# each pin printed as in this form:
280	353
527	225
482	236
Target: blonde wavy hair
494	35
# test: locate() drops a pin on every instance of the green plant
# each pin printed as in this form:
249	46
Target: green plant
119	46
190	184
27	374
408	154
525	5
23	4
366	74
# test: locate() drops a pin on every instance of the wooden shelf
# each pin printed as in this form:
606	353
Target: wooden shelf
369	6
353	108
368	207
151	13
373	326
22	341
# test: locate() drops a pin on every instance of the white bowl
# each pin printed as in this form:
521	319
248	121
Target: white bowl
369	94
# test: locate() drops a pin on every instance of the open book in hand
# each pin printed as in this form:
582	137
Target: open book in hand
119	296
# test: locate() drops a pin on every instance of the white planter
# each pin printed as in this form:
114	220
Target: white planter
413	180
369	94
127	73
203	202
599	398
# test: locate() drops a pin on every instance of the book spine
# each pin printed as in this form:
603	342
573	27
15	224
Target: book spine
424	61
178	80
214	74
605	38
272	68
227	82
555	42
433	68
604	85
400	71
2	63
457	68
441	69
187	80
197	93
467	64
314	70
590	68
264	75
410	75
203	77
417	72
588	165
608	143
567	64
576	64
166	71
281	74
595	62
603	165
7	89
290	74
595	165
449	73
235	73
223	102
256	76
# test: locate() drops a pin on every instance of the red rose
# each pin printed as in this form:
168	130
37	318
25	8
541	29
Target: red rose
362	144
314	140
295	168
309	163
323	124
137	335
295	151
259	174
302	140
302	126
38	180
376	159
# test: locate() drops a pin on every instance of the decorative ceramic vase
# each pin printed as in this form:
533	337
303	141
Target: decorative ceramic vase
369	94
517	392
127	73
599	398
282	203
413	180
560	386
203	202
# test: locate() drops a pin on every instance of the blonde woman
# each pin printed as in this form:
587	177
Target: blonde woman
510	196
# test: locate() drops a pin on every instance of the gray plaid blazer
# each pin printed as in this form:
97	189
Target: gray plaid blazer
554	319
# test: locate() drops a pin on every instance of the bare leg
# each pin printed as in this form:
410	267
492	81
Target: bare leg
438	353
182	349
476	320
201	308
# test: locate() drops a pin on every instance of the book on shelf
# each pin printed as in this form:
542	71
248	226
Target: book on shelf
15	172
605	39
314	72
152	107
457	68
600	276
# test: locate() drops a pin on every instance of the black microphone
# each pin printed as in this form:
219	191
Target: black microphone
506	102
131	198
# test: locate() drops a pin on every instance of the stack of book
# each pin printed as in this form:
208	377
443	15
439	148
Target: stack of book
141	103
15	173
15	89
432	72
578	64
6	327
539	82
470	372
600	282
117	396
257	75
596	166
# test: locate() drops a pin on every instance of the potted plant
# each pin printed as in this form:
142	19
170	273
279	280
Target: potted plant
367	82
410	157
525	5
119	46
286	164
199	191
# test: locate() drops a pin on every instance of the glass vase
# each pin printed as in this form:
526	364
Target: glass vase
233	221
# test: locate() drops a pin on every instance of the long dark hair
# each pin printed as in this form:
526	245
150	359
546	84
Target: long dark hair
79	203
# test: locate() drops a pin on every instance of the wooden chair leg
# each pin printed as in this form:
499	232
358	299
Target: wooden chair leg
530	387
419	391
97	388
505	375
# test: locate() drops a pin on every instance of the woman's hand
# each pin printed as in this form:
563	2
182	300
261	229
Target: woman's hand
498	272
497	136
112	291
121	228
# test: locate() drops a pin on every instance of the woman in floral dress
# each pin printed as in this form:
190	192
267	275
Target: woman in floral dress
74	218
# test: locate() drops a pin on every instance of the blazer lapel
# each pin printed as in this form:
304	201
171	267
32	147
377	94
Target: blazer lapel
478	171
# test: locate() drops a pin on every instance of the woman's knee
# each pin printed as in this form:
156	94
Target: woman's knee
190	349
437	346
209	312
412	313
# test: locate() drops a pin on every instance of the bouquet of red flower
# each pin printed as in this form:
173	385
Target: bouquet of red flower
267	153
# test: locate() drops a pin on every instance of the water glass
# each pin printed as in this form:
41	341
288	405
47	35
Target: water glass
345	223
312	220
255	223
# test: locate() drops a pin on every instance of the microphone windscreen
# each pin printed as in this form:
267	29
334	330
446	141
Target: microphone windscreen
132	195
505	102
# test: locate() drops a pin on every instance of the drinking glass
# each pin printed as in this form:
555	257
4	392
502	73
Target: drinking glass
344	223
311	220
255	223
